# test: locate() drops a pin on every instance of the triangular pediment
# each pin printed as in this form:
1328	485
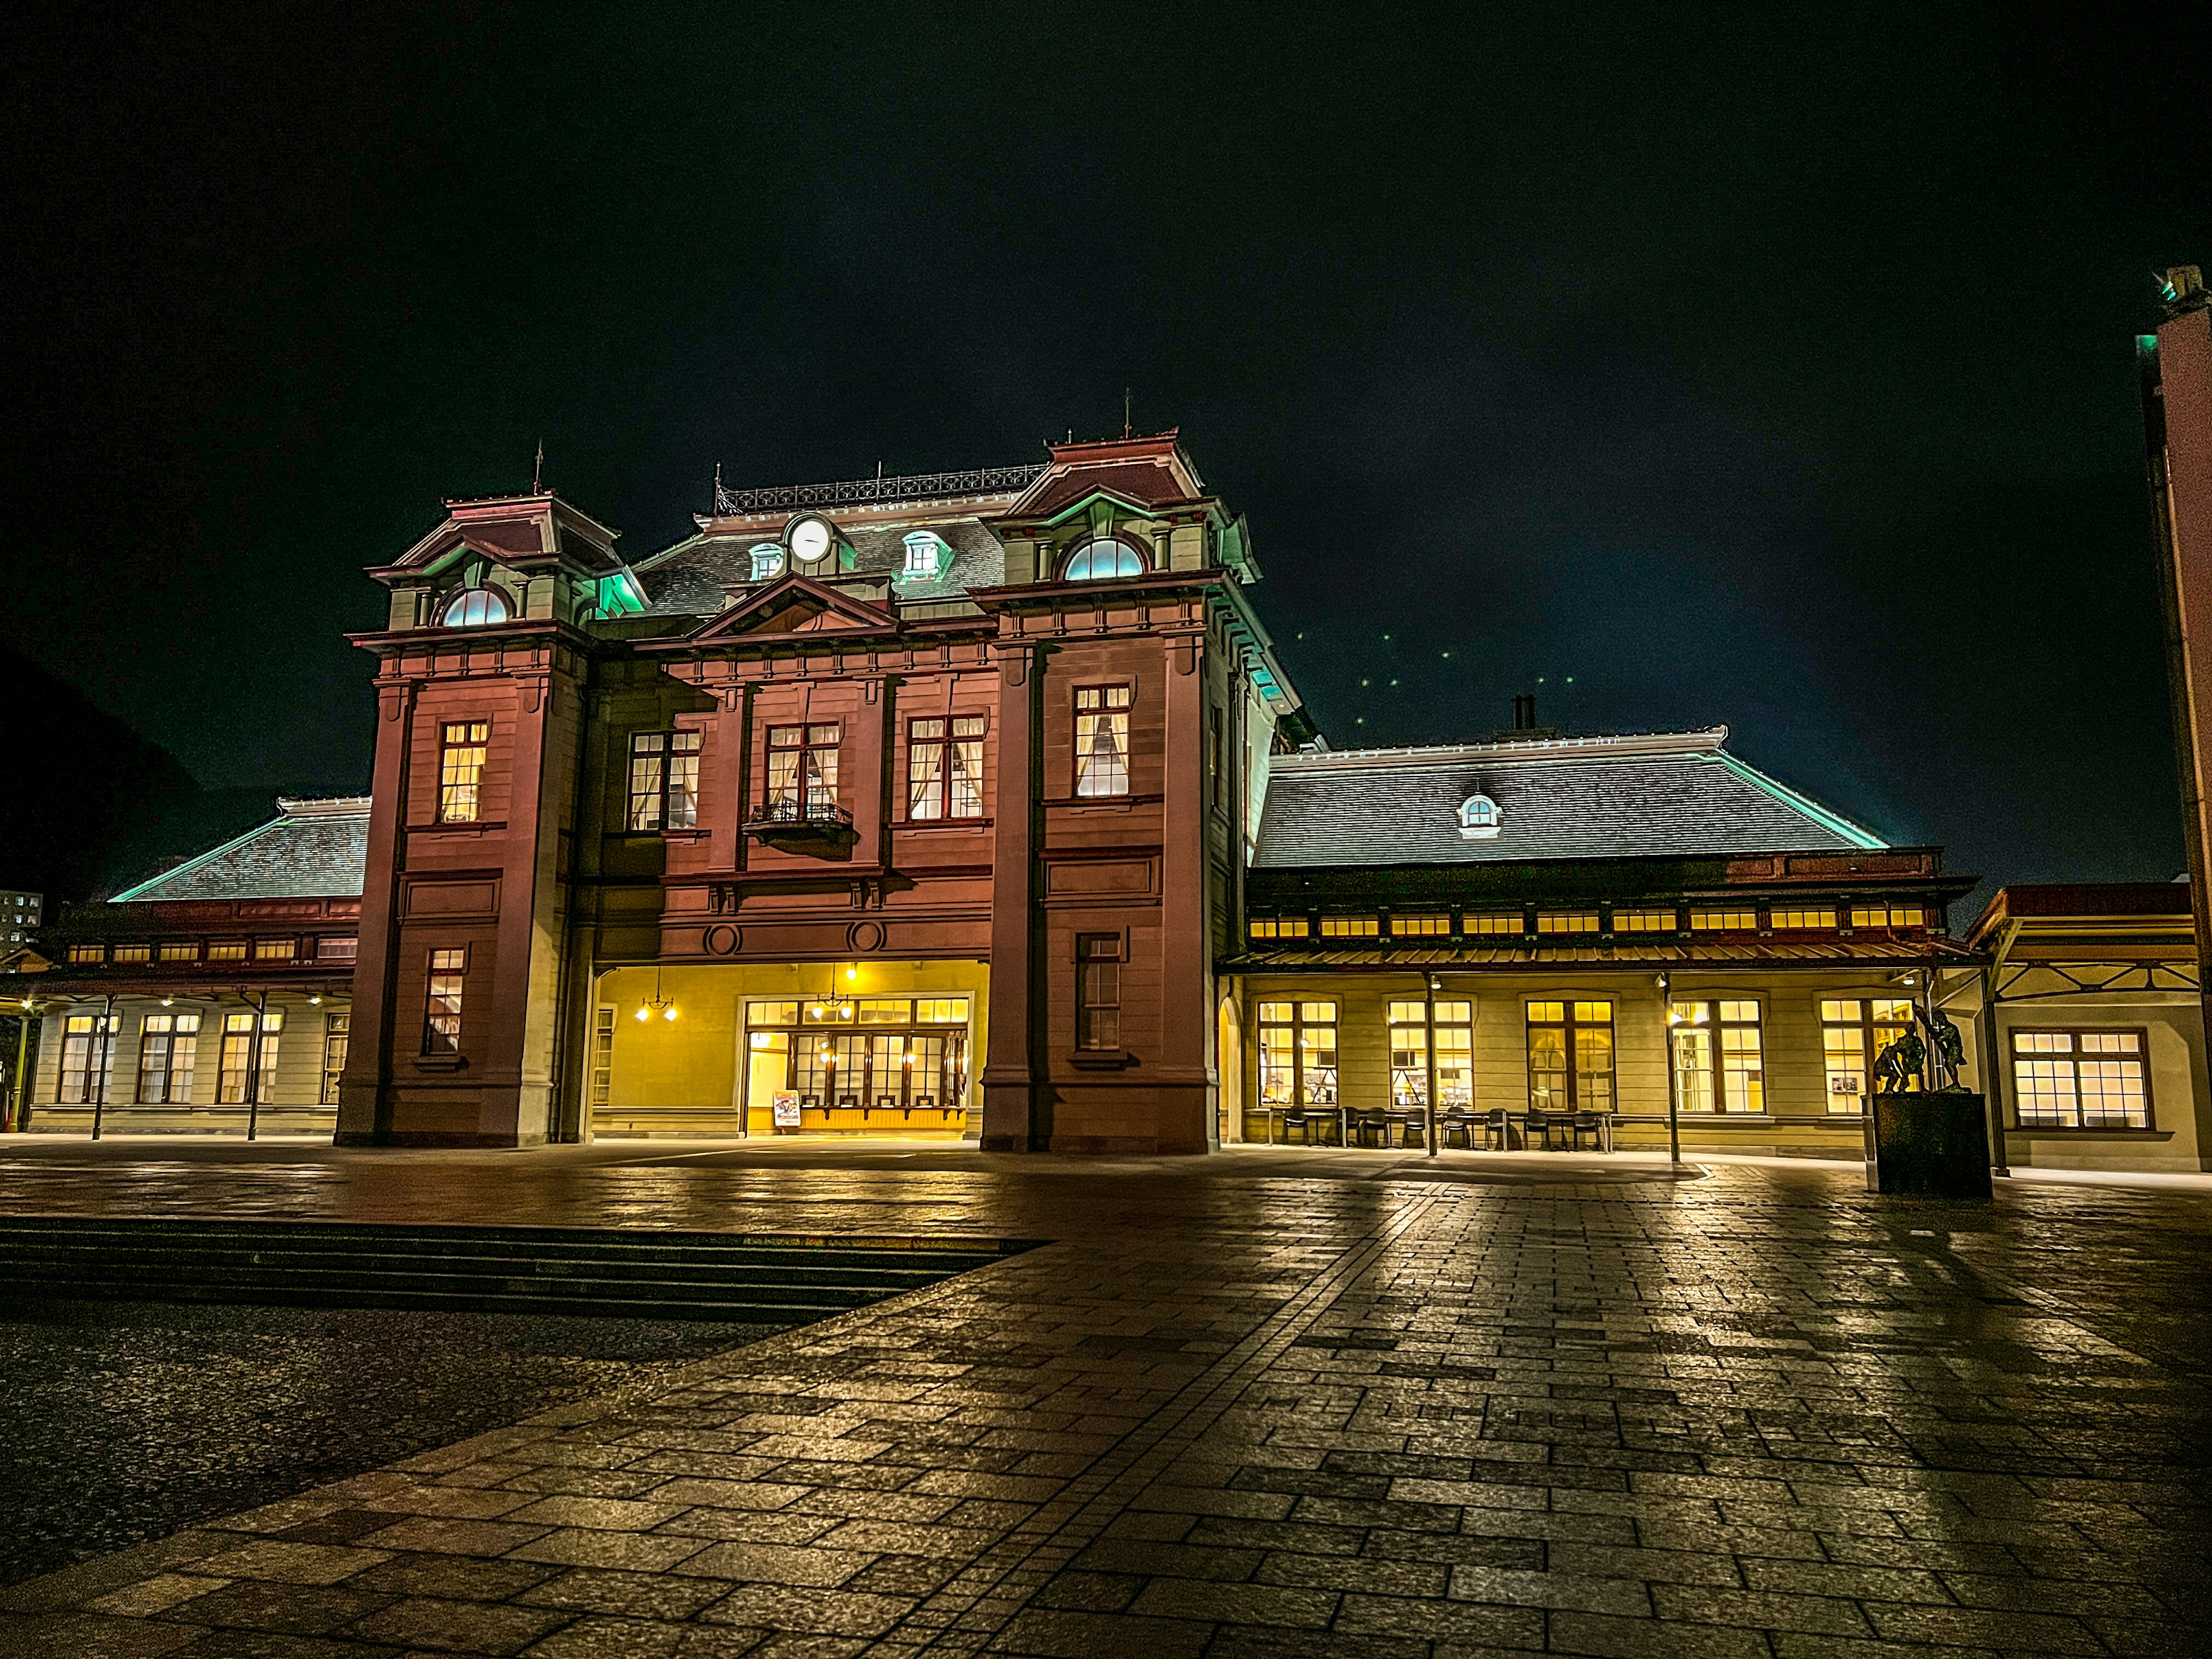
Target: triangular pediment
799	605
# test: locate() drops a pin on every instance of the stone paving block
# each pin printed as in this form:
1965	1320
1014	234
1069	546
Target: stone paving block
594	1636
778	1564
591	1547
151	1595
436	1535
459	1626
808	1611
1069	1634
640	1595
454	1578
291	1563
294	1610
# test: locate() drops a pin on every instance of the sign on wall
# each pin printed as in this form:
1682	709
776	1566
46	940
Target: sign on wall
783	1109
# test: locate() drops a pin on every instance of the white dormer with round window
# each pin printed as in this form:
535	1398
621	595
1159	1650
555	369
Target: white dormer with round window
767	561
927	557
475	607
1103	558
1478	818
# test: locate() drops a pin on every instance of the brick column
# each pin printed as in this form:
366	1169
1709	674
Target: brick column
364	1113
1017	1105
1185	966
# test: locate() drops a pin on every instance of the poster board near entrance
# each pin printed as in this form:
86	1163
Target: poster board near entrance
783	1109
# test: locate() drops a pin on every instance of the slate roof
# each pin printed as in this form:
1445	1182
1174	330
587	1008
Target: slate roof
688	579
1148	483
1659	795
317	849
1764	953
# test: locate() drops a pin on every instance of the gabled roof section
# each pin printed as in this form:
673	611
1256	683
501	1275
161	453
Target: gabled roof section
1144	474
316	850
1655	794
694	576
511	530
797	604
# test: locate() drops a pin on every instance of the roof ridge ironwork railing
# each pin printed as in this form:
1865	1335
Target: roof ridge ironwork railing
913	486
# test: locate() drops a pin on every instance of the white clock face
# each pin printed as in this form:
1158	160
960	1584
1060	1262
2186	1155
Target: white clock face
809	540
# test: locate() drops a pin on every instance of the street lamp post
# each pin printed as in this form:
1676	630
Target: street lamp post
1429	1054
1674	1094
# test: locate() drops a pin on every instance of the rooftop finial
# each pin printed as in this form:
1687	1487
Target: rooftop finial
538	471
1125	411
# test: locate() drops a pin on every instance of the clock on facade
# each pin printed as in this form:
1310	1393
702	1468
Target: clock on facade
809	540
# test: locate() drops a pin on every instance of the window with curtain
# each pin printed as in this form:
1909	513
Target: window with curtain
236	1061
168	1053
944	768
460	770
1101	739
664	780
802	771
442	1016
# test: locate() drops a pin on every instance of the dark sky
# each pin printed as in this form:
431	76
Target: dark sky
1768	368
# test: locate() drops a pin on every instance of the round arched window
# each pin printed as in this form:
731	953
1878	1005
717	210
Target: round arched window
1102	558
1478	818
475	607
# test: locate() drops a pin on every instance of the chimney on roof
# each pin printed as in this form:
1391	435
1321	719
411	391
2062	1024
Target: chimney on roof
1524	711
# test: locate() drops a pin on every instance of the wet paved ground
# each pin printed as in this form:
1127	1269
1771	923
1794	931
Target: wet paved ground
129	1420
1267	1403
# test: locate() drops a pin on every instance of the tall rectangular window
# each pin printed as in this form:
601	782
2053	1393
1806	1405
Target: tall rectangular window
168	1053
802	772
1854	1030
237	1058
1098	990
441	1017
944	768
1217	771
2080	1079
1453	1036
1101	739
664	780
1297	1053
460	770
1719	1064
1571	1057
336	1037
87	1058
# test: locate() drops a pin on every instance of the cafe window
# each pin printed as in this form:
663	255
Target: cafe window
168	1053
1723	921
85	955
1098	991
1278	927
87	1058
1412	1036
188	952
802	771
276	949
1297	1053
1351	926
1888	915
1719	1065
911	1056
1101	739
337	1035
1566	922
1802	920
1419	927
236	1060
226	950
2074	1079
461	749
664	780
134	953
1644	921
1571	1057
944	768
1854	1030
1495	923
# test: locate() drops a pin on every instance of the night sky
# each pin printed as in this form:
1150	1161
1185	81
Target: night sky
1768	368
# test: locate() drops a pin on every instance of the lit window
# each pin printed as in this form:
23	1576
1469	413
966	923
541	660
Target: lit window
802	773
1724	921
767	561
336	949
1566	922
1478	818
1278	928
1103	558
1101	739
1571	1057
276	949
945	775
1854	1030
336	1039
1454	1034
184	952
1644	921
1297	1053
1098	991
227	951
1501	921
441	1019
941	1011
2080	1079
927	556
1419	927
88	953
664	780
236	1063
1718	1062
1888	915
1801	920
460	770
134	953
1350	927
168	1054
475	607
87	1058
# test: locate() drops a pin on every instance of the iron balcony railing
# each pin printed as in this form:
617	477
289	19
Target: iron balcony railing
799	815
913	487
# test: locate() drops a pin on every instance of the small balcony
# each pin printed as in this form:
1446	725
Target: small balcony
798	822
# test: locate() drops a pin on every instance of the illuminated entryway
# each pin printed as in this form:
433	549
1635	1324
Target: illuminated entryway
876	1049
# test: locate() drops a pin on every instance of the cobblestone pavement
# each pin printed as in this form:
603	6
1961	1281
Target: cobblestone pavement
1267	1403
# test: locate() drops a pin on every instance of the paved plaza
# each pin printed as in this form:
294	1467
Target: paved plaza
1271	1403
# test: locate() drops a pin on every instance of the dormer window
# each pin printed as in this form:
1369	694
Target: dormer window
767	561
475	607
1478	818
1101	559
926	554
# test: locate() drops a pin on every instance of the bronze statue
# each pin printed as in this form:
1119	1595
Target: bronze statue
1950	1050
1897	1067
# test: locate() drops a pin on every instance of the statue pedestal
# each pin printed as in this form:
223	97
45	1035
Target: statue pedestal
1928	1145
